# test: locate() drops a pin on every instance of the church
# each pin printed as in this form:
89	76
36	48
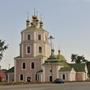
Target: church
37	61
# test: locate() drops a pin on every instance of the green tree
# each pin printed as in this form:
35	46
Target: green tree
3	47
78	59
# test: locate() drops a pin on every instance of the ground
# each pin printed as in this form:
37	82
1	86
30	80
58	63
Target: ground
66	86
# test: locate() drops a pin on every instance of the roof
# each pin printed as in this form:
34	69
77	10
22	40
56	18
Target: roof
76	67
66	69
62	63
34	29
40	71
56	59
11	70
40	56
61	58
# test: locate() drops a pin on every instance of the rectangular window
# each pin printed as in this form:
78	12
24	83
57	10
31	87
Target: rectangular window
28	49
40	49
32	65
24	66
21	77
29	37
63	76
39	37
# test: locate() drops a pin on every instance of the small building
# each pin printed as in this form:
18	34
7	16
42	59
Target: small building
52	66
3	75
10	75
74	72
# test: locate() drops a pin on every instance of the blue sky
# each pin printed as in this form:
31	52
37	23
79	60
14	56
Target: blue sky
67	20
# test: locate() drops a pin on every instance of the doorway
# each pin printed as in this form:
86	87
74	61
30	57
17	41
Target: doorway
28	79
50	78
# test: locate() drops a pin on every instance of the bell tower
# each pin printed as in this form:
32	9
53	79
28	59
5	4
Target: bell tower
34	39
34	50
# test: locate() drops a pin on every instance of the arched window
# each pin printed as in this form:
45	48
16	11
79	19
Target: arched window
21	77
40	49
28	49
24	65
32	65
39	37
29	37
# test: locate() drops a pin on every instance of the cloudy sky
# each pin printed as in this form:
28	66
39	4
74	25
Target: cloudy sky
67	20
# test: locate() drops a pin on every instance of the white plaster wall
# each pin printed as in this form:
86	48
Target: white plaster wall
66	75
72	75
47	72
55	71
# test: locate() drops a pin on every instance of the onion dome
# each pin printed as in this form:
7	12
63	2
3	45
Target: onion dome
60	57
34	17
27	23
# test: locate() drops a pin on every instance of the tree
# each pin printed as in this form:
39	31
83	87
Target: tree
78	59
3	47
73	57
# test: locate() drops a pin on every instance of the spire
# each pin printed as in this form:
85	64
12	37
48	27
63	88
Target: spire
58	56
34	11
27	21
51	38
34	16
41	23
52	52
52	56
35	20
59	52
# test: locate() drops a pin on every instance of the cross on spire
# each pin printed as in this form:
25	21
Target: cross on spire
51	38
34	11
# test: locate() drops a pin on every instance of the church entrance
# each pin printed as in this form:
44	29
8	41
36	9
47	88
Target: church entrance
50	78
28	79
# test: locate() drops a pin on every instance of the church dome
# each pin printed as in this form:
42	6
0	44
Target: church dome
60	57
56	59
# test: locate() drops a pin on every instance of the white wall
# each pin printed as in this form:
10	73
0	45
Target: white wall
72	76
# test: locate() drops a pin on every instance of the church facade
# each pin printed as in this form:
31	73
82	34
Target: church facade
37	62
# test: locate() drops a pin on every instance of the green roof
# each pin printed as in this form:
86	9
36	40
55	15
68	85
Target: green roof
76	67
11	70
61	58
66	69
54	60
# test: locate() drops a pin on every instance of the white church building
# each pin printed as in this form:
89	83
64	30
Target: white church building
37	62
